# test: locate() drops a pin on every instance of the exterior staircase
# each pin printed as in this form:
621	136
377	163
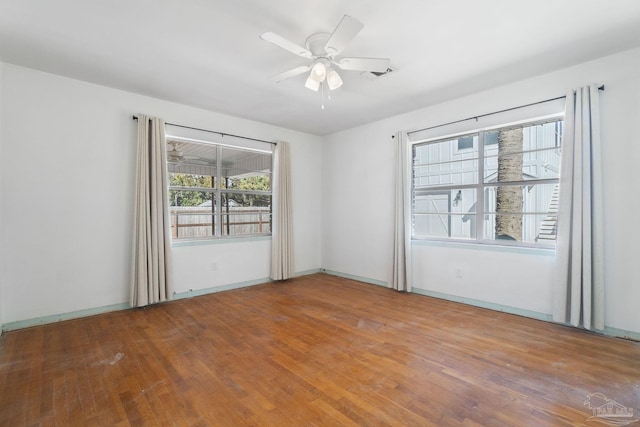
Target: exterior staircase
549	226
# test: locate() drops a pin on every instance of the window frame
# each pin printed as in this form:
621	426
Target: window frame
480	186
218	192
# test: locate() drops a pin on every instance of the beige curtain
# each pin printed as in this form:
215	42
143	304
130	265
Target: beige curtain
151	280
282	231
401	270
579	292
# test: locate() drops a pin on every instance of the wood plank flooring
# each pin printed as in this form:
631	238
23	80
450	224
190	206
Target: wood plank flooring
313	351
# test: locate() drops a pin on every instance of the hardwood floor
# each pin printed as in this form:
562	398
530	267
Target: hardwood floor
316	350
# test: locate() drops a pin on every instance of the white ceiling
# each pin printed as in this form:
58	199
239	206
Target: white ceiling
208	54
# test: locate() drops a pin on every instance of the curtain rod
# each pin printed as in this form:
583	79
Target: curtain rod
490	114
219	133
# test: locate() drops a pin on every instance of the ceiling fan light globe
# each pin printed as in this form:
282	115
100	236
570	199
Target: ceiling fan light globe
319	72
312	83
333	80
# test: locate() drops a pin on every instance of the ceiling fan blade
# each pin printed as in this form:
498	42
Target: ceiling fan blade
379	65
291	73
286	44
346	30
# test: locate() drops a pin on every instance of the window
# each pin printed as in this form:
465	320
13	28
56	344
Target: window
497	184
218	191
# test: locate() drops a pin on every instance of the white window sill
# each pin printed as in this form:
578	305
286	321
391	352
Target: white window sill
216	241
482	246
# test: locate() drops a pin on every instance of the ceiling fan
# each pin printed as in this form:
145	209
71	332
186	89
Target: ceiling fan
323	49
175	155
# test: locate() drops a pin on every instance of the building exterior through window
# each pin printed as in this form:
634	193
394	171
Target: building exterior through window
494	185
218	191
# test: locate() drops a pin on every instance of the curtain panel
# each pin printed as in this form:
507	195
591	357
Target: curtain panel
401	262
282	267
151	273
579	292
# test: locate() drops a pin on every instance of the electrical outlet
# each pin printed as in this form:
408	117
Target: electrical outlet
214	266
459	273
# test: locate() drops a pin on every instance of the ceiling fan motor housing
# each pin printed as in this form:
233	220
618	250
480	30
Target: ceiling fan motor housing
316	43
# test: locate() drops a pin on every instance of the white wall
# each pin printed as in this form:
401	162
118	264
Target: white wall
1	221
66	182
357	212
67	166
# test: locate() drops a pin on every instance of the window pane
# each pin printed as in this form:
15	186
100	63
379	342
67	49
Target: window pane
443	163
261	181
241	187
522	213
526	166
542	136
445	185
188	180
246	221
523	138
445	225
461	201
528	228
190	198
533	198
238	163
191	158
246	200
449	213
192	221
245	214
523	153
